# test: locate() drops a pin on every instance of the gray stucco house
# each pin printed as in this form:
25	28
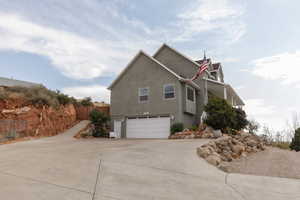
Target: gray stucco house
152	93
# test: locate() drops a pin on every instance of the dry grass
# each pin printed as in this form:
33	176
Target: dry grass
281	145
36	96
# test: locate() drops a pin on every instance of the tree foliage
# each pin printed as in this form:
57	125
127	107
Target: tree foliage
99	120
295	144
87	101
177	127
240	119
221	115
253	126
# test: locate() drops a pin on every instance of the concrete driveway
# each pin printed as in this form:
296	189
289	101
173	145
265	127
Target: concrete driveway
62	167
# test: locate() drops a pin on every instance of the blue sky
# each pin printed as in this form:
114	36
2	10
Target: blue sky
79	46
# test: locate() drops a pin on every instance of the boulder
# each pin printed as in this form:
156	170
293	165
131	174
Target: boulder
229	147
238	149
17	111
214	159
227	156
217	133
203	152
251	143
208	132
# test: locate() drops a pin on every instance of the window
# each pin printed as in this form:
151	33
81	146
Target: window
214	74
143	94
190	94
169	91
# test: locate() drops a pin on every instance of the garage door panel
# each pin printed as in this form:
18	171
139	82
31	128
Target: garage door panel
148	127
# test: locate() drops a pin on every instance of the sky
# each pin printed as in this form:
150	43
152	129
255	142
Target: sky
80	46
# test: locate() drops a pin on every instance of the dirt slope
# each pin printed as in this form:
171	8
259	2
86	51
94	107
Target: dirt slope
271	162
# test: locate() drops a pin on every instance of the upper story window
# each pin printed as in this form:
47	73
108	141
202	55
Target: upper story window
143	94
214	74
169	91
190	94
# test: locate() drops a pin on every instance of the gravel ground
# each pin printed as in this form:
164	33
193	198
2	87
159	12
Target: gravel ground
271	162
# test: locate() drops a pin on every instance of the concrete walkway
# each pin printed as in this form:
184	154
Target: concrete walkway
62	167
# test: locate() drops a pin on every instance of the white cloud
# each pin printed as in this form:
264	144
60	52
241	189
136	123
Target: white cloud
240	87
207	15
102	43
258	107
75	56
230	60
283	67
266	114
96	92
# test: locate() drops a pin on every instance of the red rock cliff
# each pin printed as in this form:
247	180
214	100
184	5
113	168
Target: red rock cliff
29	120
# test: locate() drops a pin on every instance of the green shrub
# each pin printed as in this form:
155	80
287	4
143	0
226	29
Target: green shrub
63	99
3	94
295	144
177	127
99	120
41	96
221	115
86	101
240	119
194	128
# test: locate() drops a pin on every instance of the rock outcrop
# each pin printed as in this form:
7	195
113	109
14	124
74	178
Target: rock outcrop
203	132
229	147
29	120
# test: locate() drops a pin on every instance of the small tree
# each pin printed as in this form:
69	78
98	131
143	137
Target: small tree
240	119
220	114
99	120
63	99
253	126
86	101
295	145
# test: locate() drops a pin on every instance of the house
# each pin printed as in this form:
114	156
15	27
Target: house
9	82
152	93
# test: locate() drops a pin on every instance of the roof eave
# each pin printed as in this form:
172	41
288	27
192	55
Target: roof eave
133	60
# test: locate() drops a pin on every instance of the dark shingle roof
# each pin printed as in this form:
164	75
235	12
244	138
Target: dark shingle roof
216	66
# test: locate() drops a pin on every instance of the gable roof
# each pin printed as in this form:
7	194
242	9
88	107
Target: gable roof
134	59
194	63
177	52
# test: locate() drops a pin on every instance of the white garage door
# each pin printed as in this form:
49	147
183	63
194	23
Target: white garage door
148	127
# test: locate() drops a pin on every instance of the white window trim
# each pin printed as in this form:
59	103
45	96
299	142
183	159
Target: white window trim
139	95
165	85
186	93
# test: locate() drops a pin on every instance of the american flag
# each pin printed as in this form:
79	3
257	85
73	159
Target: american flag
203	67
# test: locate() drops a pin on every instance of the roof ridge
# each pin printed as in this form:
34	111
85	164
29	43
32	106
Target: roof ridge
141	52
176	51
